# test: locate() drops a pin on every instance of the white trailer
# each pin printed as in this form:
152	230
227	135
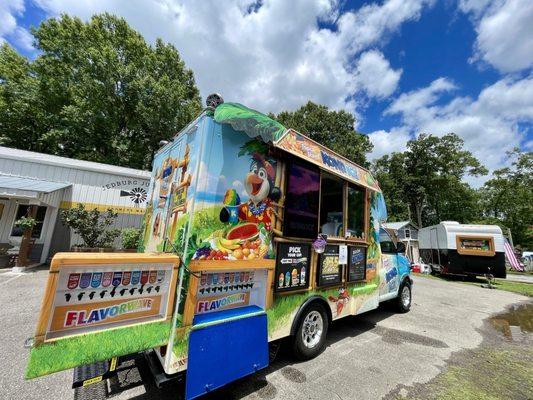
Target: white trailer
465	249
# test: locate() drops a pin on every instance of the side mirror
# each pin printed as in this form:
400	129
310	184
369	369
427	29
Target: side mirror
400	248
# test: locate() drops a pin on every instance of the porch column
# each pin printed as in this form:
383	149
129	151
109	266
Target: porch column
22	259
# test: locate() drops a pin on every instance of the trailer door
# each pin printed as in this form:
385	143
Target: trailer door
434	246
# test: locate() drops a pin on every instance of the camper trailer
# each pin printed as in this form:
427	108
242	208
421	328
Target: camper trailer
252	233
463	249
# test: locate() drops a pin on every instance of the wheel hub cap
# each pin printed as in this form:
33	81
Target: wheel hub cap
313	327
406	296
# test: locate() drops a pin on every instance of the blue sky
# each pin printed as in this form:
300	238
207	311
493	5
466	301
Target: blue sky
400	66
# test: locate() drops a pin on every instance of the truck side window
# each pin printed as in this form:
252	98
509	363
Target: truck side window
386	243
331	206
356	211
301	204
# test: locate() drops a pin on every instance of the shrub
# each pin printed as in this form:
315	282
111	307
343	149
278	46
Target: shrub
92	226
130	238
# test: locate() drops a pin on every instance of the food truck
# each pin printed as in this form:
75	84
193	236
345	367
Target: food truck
253	232
463	249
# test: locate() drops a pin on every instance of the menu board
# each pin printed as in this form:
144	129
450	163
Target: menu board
329	269
292	266
356	263
92	297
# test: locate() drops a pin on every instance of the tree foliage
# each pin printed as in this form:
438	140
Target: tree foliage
424	183
507	198
93	226
333	129
96	91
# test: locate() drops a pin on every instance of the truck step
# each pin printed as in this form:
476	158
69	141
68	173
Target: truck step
88	374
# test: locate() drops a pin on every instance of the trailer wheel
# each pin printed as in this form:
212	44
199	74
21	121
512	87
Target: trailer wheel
310	337
403	301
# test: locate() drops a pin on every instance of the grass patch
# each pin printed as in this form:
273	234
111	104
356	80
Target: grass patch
522	288
86	349
484	374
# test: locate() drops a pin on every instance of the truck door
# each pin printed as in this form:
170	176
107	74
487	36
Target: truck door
389	275
435	254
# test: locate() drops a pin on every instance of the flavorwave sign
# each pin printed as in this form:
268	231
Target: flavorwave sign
220	303
84	318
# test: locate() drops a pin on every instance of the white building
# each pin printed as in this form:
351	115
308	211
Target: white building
53	183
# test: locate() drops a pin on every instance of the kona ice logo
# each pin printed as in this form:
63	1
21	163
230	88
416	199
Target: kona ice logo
81	318
213	305
335	163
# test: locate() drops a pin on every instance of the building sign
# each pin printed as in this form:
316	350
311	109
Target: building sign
292	267
302	146
329	269
356	263
475	246
89	297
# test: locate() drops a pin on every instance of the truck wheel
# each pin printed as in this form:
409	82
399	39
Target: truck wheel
403	301
310	337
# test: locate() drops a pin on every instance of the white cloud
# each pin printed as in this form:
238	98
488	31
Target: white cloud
376	76
504	32
386	142
489	125
9	11
274	56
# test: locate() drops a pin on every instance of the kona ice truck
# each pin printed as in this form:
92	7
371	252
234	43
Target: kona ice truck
253	232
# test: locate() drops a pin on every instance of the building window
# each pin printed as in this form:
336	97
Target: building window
301	202
331	206
23	211
407	233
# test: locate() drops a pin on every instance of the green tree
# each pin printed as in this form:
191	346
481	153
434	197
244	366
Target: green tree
96	91
424	183
333	129
507	198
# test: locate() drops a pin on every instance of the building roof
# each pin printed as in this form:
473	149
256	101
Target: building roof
40	158
397	225
10	183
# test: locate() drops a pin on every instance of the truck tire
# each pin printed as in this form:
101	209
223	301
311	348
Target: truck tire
310	337
403	301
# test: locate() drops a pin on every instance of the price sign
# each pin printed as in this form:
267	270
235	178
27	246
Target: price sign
329	267
292	266
356	263
343	254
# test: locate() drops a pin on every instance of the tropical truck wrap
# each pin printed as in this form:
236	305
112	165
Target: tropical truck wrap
273	235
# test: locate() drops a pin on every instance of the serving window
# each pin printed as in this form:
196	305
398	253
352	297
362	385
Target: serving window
356	212
475	246
331	206
302	201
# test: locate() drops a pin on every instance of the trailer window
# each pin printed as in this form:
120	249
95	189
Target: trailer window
356	212
301	202
331	206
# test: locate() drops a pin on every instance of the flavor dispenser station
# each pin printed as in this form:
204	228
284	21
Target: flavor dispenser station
228	304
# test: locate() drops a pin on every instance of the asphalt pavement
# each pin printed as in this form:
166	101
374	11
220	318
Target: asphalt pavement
367	356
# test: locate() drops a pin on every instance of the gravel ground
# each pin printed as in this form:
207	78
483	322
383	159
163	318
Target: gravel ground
367	357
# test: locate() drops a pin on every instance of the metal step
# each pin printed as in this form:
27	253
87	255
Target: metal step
88	374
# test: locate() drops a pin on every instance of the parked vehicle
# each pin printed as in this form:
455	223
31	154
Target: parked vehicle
277	236
453	248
